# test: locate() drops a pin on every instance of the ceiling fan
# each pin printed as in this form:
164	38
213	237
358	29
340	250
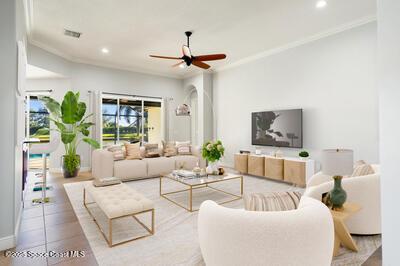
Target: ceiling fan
190	59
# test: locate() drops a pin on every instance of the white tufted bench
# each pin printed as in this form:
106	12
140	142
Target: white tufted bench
119	201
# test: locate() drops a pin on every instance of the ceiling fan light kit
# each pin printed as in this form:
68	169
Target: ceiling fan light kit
188	59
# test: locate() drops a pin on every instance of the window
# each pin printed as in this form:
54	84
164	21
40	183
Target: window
38	119
131	120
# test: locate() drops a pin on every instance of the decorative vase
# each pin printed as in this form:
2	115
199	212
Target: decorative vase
66	172
338	195
212	168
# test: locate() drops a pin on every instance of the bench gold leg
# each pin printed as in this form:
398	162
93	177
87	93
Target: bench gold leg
110	232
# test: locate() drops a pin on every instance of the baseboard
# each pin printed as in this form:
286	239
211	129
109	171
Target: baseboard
59	170
7	242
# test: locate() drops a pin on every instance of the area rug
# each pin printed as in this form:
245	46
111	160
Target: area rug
175	241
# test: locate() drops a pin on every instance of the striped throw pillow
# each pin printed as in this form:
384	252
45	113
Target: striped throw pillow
118	152
133	151
272	201
151	150
169	148
363	169
183	148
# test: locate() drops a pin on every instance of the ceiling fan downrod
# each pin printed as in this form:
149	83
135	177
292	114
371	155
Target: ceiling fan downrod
188	34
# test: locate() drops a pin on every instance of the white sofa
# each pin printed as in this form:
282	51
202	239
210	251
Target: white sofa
304	236
103	165
364	190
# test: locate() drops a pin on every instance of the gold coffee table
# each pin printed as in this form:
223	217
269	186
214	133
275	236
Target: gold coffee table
197	183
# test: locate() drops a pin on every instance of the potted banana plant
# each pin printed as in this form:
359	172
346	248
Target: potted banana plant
71	122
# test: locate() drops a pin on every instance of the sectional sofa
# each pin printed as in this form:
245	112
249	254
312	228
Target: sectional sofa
103	165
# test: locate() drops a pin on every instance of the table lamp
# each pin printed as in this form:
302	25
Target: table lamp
337	163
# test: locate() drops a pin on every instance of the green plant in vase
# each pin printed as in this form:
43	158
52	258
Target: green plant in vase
70	121
212	152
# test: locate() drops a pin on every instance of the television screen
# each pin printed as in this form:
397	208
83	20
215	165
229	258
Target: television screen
278	128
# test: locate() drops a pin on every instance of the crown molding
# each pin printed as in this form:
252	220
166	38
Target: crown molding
344	27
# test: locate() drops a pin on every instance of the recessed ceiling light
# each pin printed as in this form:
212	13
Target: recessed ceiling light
105	50
321	4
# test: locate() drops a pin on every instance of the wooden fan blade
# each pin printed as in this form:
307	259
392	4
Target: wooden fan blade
165	57
209	57
177	64
201	64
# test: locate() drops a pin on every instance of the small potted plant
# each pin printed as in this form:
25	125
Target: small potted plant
70	121
304	154
212	152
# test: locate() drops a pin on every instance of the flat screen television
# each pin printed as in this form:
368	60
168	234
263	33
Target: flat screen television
281	128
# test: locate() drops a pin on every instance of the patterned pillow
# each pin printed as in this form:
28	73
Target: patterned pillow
133	151
183	148
151	151
106	181
363	169
359	162
169	148
118	152
272	201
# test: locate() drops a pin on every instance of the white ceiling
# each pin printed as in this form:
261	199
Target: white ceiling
133	29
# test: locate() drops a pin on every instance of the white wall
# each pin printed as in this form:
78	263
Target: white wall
389	97
84	78
331	79
12	30
8	85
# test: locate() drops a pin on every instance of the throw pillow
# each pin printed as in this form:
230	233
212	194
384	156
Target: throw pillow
151	150
183	148
359	162
272	201
133	151
169	148
106	181
363	169
118	152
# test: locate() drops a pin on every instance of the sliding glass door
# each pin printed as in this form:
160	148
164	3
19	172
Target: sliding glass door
131	120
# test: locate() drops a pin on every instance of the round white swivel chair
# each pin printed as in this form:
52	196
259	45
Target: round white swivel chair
235	237
44	149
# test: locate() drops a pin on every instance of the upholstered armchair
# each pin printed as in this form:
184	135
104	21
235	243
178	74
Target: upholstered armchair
304	236
363	190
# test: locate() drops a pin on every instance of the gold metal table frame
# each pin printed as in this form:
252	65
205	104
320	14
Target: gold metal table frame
197	186
110	223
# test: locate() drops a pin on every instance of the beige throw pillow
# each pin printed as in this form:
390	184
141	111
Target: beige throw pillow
183	148
106	181
133	151
363	169
151	151
359	162
118	152
169	148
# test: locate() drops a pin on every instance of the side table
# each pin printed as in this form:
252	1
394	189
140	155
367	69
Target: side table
342	235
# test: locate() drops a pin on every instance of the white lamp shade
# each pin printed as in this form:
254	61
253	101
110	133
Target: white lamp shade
337	162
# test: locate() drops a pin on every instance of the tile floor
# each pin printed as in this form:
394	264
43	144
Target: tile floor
51	227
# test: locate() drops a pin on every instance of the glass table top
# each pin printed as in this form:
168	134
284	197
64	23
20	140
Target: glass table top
193	181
